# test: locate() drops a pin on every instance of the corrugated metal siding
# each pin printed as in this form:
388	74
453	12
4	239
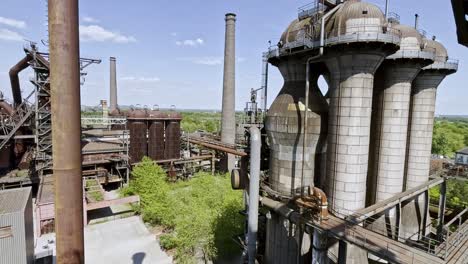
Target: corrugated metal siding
15	249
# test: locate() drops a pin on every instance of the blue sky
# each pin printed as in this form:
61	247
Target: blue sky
171	52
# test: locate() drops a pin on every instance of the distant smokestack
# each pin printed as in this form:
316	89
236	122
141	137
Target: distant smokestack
113	86
228	122
416	21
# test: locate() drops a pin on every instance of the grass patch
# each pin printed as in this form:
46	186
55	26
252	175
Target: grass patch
200	215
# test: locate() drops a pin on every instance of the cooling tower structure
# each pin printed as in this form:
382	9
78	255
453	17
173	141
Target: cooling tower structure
423	100
228	121
392	91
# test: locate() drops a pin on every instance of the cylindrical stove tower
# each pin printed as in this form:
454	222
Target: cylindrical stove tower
359	43
156	134
422	109
391	104
138	130
285	128
172	136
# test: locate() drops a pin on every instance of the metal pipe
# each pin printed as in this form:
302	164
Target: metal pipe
66	129
14	80
254	190
307	86
265	82
416	21
113	85
386	8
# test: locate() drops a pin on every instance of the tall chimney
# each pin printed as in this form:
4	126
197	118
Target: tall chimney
66	129
228	122
113	86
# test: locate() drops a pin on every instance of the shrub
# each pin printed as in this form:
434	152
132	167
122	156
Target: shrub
199	215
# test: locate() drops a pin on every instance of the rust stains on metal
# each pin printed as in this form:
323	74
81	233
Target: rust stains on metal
66	129
216	145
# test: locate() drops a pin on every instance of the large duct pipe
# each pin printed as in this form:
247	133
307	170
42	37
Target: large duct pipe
113	86
228	122
254	190
14	80
66	129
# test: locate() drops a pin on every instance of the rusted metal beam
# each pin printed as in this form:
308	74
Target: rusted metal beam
217	145
66	129
104	204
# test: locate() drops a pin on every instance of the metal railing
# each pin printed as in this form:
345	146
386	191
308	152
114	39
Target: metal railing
86	121
309	38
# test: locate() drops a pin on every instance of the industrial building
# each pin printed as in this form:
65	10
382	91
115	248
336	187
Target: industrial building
16	226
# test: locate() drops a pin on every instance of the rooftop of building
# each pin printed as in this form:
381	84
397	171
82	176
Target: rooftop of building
463	151
14	200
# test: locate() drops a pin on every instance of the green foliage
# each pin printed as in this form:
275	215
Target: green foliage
207	121
200	215
457	194
449	137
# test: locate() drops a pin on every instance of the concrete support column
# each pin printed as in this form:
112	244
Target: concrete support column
352	83
228	121
392	95
419	147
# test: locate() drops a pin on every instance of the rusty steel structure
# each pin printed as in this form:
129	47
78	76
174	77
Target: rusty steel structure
66	127
155	134
138	130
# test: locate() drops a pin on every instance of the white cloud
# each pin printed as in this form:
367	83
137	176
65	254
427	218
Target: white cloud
6	34
90	19
12	22
174	34
190	42
99	34
140	79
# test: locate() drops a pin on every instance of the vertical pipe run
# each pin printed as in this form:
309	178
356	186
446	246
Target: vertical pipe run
306	110
113	85
265	82
386	9
66	129
228	122
254	189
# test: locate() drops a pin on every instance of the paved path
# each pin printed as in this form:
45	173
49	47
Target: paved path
123	241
